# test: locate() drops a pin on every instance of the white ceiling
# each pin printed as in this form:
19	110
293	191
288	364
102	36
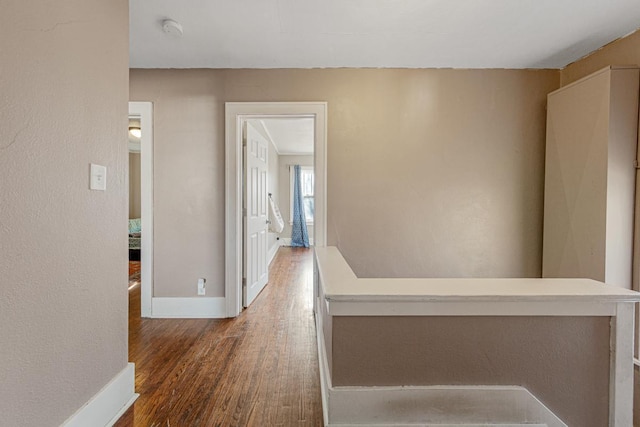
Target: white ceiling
292	136
375	33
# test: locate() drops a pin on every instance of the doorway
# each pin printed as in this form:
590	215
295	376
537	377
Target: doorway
236	116
141	142
134	136
273	149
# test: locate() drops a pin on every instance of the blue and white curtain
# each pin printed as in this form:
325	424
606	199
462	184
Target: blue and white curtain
299	233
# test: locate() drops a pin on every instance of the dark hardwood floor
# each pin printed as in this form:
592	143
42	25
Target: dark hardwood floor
259	369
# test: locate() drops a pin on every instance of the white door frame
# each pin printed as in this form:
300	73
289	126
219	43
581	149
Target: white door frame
235	114
144	110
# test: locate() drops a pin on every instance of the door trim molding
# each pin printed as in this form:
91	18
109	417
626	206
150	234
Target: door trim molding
145	111
235	114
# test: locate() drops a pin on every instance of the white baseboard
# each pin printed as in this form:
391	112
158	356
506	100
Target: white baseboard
447	425
325	377
456	405
108	405
286	241
273	251
427	405
187	308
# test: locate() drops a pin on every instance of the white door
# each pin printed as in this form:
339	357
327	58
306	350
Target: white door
256	271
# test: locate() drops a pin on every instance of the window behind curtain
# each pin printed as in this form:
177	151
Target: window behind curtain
307	181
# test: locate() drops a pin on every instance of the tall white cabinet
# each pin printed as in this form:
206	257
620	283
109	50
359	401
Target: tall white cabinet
592	135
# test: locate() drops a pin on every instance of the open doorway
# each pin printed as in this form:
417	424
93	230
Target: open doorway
135	227
278	211
141	202
237	116
293	140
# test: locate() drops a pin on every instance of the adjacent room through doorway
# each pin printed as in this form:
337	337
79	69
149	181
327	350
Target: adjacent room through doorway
134	136
253	133
278	193
140	224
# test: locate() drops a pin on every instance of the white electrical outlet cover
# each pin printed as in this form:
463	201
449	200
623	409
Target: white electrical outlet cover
98	178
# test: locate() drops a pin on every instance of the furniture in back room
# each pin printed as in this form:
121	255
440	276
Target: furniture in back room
135	230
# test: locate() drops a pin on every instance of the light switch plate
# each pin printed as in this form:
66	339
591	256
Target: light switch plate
98	178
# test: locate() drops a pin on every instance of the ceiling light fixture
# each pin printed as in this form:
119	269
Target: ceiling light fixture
172	27
135	132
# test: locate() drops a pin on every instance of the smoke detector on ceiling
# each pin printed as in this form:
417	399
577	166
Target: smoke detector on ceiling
172	27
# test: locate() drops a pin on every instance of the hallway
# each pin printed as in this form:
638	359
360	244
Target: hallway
259	369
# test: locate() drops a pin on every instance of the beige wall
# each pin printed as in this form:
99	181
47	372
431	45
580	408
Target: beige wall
624	51
188	180
563	361
439	173
430	172
590	178
286	162
134	185
63	262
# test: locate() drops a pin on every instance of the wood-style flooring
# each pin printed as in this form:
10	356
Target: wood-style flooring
259	369
134	276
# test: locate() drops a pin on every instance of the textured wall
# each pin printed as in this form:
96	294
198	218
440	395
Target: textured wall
575	229
438	173
134	185
188	182
430	172
563	361
624	51
63	248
